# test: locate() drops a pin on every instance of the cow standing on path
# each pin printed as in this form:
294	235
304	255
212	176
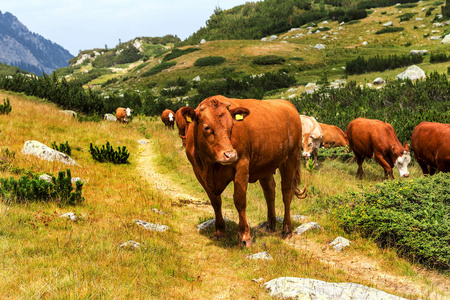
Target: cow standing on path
245	141
312	137
123	115
168	118
182	124
430	143
333	136
377	139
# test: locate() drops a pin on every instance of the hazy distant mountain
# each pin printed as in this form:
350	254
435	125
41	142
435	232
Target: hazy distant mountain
27	50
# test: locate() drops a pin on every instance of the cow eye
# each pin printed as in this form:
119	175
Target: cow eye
207	128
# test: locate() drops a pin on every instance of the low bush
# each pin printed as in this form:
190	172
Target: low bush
378	63
108	154
209	61
159	68
269	60
179	52
406	16
5	108
343	154
389	29
410	215
64	148
25	190
439	57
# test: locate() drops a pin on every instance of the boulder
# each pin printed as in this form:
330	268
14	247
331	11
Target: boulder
272	38
202	41
378	81
446	39
319	46
260	255
418	52
151	226
412	73
196	79
110	117
305	288
311	88
306	227
364	43
340	243
44	152
69	113
435	37
264	39
69	215
46	177
388	24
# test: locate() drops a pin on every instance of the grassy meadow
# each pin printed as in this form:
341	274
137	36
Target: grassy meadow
45	256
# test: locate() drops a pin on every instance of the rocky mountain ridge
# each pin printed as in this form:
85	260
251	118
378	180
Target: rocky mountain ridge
27	50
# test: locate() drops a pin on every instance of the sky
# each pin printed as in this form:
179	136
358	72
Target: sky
78	25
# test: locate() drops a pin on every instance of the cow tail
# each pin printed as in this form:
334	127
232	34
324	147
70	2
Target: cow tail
300	194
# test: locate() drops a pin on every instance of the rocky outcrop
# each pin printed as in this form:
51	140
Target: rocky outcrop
412	73
44	152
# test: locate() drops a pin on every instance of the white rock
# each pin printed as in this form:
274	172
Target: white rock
388	24
196	79
151	226
260	255
342	23
435	38
130	244
110	117
44	152
208	224
418	52
378	80
306	227
311	88
305	288
364	43
202	41
340	243
272	38
446	39
70	216
69	113
264	39
319	46
419	19
413	73
46	177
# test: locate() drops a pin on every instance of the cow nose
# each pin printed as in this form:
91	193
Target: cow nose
305	154
230	155
406	175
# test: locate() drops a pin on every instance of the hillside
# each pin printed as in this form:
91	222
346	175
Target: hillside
45	255
27	50
421	28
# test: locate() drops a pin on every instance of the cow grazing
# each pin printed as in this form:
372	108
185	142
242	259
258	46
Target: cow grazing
430	143
182	124
245	141
312	137
374	138
123	115
168	118
333	136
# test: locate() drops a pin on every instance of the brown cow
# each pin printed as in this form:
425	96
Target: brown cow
245	141
123	115
374	138
168	118
431	147
182	124
333	136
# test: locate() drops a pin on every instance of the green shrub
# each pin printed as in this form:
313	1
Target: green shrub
406	5
209	61
64	148
389	29
26	190
159	68
378	63
439	57
5	108
269	60
410	215
108	154
179	52
406	16
343	154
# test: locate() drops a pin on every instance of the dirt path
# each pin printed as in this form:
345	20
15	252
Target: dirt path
360	266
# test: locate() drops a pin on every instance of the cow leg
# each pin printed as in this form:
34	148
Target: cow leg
240	202
385	165
287	172
315	152
423	166
268	186
216	202
359	161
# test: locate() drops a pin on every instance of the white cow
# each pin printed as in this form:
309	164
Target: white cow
312	137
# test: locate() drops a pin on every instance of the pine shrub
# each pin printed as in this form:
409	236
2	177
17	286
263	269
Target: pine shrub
389	30
159	68
108	154
269	60
64	148
209	61
5	108
26	190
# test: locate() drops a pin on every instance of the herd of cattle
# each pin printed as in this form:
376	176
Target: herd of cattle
241	141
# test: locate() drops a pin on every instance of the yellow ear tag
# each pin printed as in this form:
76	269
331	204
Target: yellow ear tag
239	117
188	119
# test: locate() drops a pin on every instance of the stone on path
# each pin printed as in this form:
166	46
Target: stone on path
340	243
151	226
306	227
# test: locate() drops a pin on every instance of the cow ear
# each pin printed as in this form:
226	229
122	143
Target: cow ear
239	113
406	146
131	110
188	113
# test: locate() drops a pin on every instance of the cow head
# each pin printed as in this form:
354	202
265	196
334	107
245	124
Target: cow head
171	117
128	112
402	161
309	144
213	122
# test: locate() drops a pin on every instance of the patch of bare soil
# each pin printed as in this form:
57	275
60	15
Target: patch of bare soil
355	265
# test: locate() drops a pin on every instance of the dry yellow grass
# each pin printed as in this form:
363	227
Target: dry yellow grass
82	259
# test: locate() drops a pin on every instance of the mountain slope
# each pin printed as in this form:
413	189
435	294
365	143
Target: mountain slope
27	50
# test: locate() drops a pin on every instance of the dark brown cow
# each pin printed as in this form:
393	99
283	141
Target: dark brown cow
374	138
333	136
168	118
123	115
182	124
245	141
430	143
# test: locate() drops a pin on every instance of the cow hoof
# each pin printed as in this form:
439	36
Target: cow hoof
287	235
